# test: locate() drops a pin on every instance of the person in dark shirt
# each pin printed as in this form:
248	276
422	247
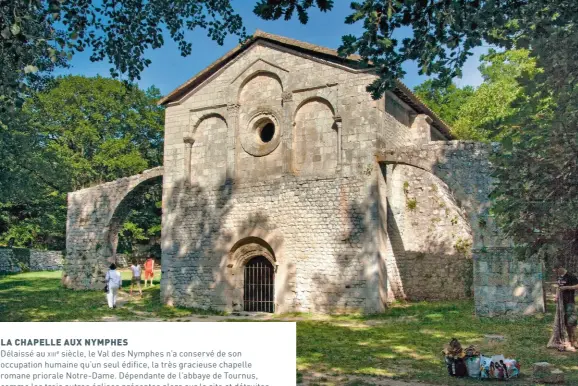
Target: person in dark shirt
568	284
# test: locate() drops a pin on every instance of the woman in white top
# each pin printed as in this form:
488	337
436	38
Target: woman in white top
135	268
113	281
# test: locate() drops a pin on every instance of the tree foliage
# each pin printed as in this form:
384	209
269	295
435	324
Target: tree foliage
76	133
274	10
442	34
141	231
536	201
483	113
96	129
445	101
37	35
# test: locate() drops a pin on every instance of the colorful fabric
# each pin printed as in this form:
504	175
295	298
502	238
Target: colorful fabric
149	267
473	365
498	368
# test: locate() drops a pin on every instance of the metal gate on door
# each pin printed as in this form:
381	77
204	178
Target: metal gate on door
259	288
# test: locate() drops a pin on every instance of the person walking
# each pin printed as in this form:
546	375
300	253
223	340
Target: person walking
113	283
149	267
568	284
135	268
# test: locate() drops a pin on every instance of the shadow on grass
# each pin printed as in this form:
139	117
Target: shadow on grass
406	342
39	297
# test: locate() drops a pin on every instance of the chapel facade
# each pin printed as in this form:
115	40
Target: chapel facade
277	195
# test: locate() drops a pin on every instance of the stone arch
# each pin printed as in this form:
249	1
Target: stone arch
260	100
260	88
93	219
249	247
316	138
315	98
465	167
243	252
196	120
451	163
450	198
206	152
120	212
256	68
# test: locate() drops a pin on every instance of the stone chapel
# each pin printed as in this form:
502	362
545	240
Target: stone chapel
286	187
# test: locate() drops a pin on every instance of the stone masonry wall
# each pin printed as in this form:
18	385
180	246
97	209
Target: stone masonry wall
33	260
46	260
505	286
461	172
348	215
318	229
306	194
429	238
8	263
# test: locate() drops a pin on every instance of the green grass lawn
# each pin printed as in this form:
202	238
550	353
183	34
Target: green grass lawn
403	343
38	297
406	342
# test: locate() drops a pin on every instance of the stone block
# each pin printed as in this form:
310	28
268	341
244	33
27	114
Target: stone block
493	338
545	373
482	267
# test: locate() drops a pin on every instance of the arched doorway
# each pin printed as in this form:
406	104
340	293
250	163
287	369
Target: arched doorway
259	285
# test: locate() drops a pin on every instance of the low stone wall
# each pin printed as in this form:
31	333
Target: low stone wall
8	263
122	260
506	286
45	260
16	260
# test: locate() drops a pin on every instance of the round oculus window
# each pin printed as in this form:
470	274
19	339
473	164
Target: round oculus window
262	134
267	131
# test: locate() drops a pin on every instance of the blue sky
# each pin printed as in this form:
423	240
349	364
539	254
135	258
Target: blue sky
169	69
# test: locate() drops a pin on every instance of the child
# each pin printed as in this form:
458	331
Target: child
149	270
135	268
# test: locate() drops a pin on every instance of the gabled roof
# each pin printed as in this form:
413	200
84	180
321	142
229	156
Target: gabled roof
353	61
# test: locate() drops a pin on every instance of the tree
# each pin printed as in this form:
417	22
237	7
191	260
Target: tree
142	226
37	35
445	101
97	129
484	113
536	201
490	111
77	132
